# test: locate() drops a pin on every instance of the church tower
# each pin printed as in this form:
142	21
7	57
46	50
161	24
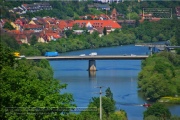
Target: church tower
114	15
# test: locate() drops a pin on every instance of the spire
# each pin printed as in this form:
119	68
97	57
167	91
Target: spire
114	14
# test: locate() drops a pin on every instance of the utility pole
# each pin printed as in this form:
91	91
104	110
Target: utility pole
100	99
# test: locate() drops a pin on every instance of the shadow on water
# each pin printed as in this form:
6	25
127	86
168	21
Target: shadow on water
123	97
129	104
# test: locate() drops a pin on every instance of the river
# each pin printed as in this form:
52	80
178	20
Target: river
119	75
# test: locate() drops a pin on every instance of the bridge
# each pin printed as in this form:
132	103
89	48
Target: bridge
92	62
160	47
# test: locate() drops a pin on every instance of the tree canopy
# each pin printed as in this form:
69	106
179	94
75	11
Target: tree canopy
157	111
160	76
26	85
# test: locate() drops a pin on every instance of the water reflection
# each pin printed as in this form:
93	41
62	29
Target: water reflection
92	74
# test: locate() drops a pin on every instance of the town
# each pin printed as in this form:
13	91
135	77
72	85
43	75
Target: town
47	29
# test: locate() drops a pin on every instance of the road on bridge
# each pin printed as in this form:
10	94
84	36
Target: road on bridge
98	57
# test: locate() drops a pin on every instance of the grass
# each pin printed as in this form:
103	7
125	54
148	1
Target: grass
169	99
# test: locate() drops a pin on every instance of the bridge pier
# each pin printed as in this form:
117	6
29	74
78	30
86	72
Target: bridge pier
92	65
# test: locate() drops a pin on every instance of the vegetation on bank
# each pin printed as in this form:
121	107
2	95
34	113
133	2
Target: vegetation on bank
160	76
173	100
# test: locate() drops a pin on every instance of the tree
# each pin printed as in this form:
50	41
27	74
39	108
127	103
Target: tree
104	31
33	40
22	89
109	94
9	41
158	110
8	26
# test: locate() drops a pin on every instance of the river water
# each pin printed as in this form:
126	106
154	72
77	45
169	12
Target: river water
119	75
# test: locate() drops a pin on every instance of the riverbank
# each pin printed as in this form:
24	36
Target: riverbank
171	100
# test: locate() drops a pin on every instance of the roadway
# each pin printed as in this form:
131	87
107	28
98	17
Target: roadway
98	57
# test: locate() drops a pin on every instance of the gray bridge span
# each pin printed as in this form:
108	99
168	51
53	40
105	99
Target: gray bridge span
92	62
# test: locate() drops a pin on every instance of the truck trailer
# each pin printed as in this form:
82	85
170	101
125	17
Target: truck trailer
51	54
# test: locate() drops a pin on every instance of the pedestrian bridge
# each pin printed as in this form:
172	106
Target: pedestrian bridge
92	62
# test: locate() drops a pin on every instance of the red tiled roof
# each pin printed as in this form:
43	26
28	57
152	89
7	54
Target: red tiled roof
62	24
55	35
15	31
28	26
70	23
99	23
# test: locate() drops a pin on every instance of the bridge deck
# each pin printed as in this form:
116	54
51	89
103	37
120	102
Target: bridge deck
98	57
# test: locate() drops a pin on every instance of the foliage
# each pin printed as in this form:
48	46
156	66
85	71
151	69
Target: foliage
107	104
109	94
160	76
158	110
26	85
8	26
6	57
9	41
104	31
108	109
174	100
33	40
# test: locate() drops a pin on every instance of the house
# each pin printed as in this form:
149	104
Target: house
178	12
52	36
35	28
19	36
65	24
20	22
36	7
98	23
108	1
103	7
99	30
103	17
18	10
48	35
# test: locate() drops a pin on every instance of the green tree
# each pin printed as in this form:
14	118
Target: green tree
109	94
33	40
158	110
107	104
159	79
22	88
9	41
104	31
8	26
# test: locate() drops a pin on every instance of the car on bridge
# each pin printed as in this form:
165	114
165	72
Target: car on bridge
82	55
93	54
133	55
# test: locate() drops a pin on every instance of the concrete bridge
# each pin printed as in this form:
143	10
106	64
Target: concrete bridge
92	62
160	47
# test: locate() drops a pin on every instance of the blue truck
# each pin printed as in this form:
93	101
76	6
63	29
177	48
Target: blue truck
51	54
